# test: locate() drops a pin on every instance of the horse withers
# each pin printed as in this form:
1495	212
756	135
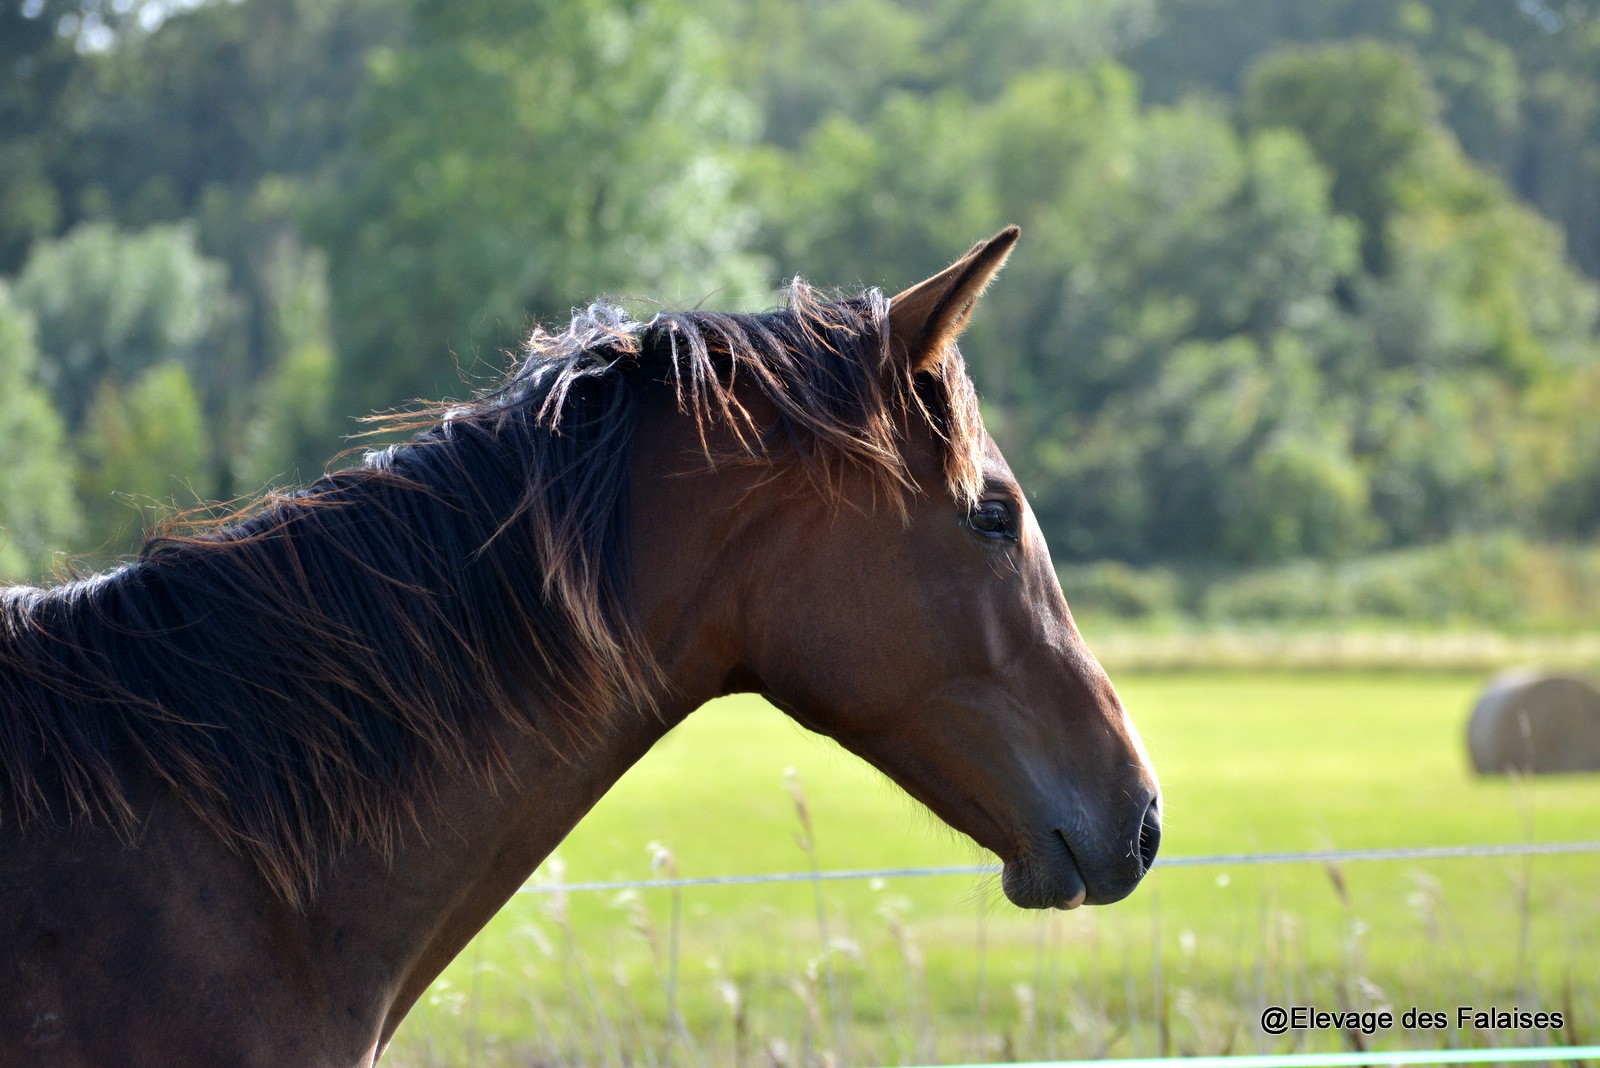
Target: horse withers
259	785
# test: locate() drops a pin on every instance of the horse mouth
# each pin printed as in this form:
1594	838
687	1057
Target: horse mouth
1053	881
1054	875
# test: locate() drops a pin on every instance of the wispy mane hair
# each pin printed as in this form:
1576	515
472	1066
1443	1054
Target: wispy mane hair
305	674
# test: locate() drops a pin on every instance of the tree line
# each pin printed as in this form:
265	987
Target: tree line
1297	282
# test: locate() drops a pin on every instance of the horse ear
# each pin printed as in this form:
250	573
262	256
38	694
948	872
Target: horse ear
925	319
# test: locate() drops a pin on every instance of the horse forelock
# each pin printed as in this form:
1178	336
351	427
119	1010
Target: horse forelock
299	675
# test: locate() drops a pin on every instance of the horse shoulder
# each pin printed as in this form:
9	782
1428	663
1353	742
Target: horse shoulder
166	951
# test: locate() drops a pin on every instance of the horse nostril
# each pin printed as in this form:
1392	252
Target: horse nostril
1150	834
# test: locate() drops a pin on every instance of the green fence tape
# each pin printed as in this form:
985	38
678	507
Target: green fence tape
1520	1054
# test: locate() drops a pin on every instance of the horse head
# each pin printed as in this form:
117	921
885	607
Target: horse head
922	625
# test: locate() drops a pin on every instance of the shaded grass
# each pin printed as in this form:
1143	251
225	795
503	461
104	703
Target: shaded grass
942	968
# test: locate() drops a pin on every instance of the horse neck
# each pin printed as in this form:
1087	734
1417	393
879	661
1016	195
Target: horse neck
390	927
420	908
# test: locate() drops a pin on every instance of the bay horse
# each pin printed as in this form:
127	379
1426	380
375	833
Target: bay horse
259	785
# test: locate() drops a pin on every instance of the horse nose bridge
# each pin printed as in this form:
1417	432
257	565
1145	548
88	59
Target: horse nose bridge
1079	695
1098	756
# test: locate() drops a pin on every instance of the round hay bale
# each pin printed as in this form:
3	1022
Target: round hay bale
1536	723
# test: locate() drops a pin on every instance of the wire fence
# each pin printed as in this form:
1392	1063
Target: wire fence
1310	856
1353	1059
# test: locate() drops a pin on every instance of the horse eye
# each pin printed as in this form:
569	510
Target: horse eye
993	519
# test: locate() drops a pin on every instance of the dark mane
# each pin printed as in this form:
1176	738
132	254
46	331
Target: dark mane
301	676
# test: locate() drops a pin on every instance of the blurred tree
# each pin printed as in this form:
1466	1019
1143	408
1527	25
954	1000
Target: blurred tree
144	450
221	116
1477	280
1556	153
1207	46
1570	507
38	513
807	63
903	190
111	304
36	65
1467	308
1366	109
293	429
1300	495
1181	229
1519	83
516	154
984	46
218	97
1231	452
1458	454
1174	325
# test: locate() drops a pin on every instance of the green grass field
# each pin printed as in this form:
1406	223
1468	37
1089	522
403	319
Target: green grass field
922	970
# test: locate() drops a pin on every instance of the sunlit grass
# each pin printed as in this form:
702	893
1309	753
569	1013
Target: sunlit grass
942	968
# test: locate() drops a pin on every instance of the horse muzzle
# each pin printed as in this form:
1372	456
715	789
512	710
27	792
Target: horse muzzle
1071	865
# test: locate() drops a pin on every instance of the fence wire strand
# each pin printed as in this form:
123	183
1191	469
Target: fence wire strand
1309	856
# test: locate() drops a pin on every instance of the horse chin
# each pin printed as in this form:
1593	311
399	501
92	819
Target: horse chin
1036	885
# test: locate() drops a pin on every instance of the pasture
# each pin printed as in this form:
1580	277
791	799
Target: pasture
915	970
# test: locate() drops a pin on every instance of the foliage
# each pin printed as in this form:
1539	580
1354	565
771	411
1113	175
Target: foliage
37	65
292	430
110	305
212	102
1496	581
221	117
1366	110
38	514
1517	83
144	450
1110	589
514	156
803	64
